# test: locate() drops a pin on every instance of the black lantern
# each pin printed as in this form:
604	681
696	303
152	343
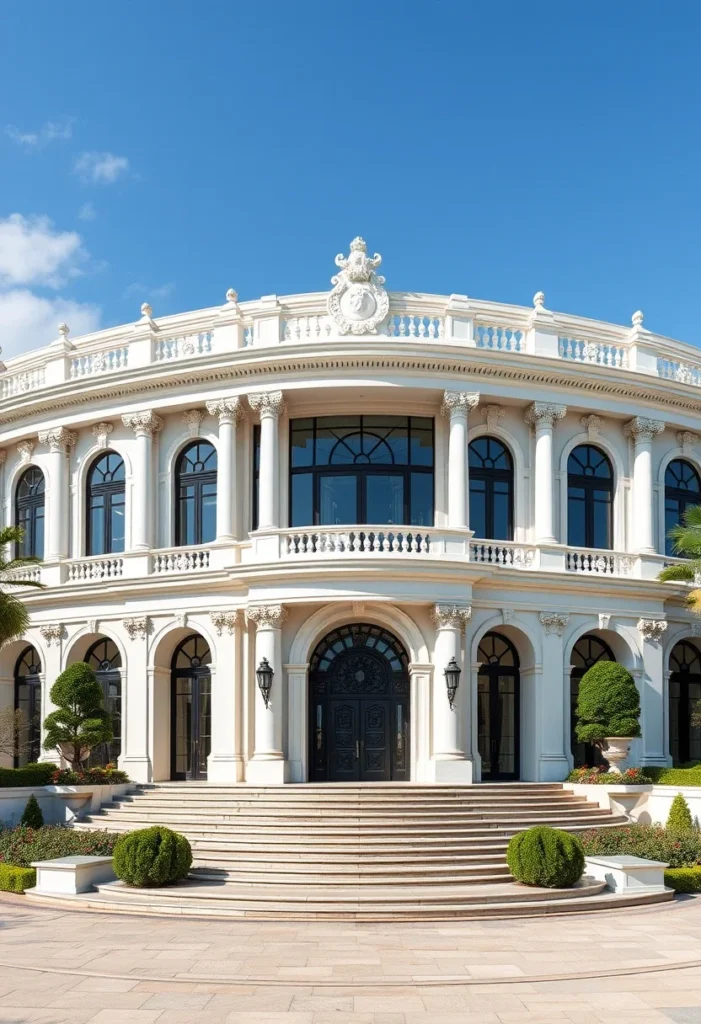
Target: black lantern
452	680
265	680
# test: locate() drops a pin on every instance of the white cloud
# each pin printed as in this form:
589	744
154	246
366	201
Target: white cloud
31	321
52	130
32	251
100	168
87	212
147	293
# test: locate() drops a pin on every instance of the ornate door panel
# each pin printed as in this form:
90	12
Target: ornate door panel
375	756
344	741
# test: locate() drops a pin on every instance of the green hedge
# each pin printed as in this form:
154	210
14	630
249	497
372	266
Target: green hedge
684	879
687	775
16	879
545	856
152	857
39	774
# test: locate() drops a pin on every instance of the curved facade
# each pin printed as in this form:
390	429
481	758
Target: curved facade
365	489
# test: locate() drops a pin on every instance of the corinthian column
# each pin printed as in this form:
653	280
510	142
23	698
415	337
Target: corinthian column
60	441
642	431
456	407
449	724
144	425
269	405
542	416
229	411
268	764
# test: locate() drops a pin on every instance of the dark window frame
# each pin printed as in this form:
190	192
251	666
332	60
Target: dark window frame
490	477
589	484
29	509
683	498
108	491
199	480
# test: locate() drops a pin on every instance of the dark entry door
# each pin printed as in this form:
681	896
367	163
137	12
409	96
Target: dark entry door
498	708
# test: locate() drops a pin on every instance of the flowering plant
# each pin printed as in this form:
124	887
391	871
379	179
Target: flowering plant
107	776
600	777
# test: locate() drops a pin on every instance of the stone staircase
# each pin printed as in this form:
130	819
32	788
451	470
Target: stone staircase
367	852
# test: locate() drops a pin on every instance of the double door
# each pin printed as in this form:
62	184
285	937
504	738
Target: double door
366	740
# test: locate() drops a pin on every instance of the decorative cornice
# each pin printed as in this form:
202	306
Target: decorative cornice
493	414
554	622
59	439
193	420
592	424
144	424
229	410
224	621
451	616
270	616
52	634
459	403
101	432
642	429
137	628
26	450
544	412
686	439
267	403
652	629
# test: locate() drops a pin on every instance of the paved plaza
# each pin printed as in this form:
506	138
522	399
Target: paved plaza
635	967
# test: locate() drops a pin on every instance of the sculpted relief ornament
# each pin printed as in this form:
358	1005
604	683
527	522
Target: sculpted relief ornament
358	303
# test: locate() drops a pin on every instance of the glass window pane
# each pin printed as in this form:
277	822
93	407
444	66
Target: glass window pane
421	513
384	499
302	505
338	502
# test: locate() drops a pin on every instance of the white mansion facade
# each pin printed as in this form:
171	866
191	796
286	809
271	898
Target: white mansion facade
272	526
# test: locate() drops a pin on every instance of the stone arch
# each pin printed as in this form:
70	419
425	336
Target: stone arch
619	478
520	479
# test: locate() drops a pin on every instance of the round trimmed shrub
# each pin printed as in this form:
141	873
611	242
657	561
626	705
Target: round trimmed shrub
608	703
151	857
545	856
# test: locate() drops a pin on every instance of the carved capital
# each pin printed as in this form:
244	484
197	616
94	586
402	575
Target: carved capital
544	413
101	432
652	629
26	450
642	430
686	439
451	616
229	410
144	424
193	420
59	439
592	424
459	403
52	634
554	622
267	616
224	621
267	403
493	414
137	628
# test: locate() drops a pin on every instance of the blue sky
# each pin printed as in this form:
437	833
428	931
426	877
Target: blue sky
167	151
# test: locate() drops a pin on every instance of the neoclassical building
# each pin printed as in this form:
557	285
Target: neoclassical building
358	535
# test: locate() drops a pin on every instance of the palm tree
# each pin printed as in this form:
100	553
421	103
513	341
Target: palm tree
14	617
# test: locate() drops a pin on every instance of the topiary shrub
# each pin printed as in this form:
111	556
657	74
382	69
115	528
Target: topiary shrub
683	879
679	818
151	857
545	856
608	704
32	816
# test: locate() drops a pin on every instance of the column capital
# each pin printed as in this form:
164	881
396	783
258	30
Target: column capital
459	403
267	403
544	412
229	410
144	424
642	430
224	621
451	616
267	616
59	439
137	628
652	629
554	622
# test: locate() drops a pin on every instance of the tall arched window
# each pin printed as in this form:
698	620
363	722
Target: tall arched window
105	499
586	652
106	661
28	701
589	498
196	494
684	700
491	489
682	487
29	513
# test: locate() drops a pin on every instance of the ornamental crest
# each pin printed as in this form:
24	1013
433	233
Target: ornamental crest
358	303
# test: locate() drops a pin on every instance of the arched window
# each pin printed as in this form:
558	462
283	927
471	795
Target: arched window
491	489
105	494
191	708
196	494
586	652
28	701
684	701
589	498
106	661
682	487
29	513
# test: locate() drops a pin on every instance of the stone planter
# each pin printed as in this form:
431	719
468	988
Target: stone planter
617	749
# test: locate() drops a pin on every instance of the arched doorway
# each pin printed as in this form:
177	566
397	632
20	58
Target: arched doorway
684	701
498	716
106	661
191	708
28	701
586	652
359	709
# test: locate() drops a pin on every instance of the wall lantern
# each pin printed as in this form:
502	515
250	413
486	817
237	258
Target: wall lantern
265	680
452	680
